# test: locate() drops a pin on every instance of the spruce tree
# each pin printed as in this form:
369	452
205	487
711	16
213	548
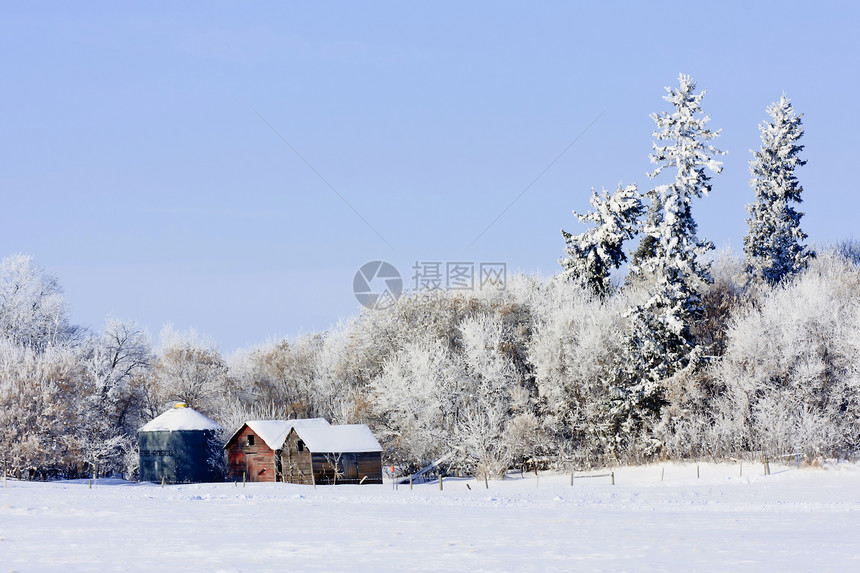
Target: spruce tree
675	268
773	245
661	339
592	255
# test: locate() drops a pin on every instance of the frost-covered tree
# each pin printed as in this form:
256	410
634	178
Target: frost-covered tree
33	311
188	369
661	338
774	243
278	377
492	396
848	250
792	366
455	377
44	410
592	255
676	271
416	397
115	362
57	414
575	348
116	359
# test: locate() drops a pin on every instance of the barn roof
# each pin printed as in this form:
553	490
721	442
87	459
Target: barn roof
179	418
274	432
349	438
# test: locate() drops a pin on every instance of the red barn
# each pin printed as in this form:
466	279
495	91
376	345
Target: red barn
254	450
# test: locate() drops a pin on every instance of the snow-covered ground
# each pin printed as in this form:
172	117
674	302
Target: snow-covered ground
791	520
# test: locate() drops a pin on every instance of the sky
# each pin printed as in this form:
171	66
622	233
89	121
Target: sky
227	167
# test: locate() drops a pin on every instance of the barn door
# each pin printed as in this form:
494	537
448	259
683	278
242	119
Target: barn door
350	468
253	468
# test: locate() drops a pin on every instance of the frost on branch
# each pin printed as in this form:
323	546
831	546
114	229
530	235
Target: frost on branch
592	255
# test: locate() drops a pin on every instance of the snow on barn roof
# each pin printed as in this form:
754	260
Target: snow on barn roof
349	438
180	418
274	432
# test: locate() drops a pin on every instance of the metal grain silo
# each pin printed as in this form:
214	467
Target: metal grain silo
179	446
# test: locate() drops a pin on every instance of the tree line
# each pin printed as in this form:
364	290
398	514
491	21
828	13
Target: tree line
692	353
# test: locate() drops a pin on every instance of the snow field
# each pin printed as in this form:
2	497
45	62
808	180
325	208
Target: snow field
789	521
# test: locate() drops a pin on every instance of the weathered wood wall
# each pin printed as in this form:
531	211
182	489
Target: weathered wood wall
296	465
370	465
352	468
257	462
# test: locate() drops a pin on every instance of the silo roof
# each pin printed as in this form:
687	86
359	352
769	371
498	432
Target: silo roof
180	419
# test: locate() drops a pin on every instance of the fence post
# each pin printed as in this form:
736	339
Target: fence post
571	478
798	460
697	471
440	481
486	483
613	478
243	479
662	473
410	481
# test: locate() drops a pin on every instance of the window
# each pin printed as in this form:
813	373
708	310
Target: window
250	439
300	446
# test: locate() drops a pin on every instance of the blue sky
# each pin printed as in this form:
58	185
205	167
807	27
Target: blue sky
136	168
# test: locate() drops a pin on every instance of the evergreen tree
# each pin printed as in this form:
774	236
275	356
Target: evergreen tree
773	245
675	267
592	255
660	337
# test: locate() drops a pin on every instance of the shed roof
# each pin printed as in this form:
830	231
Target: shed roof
274	432
179	418
349	438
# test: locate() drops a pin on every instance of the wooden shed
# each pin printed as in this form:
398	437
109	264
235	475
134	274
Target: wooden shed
331	455
254	450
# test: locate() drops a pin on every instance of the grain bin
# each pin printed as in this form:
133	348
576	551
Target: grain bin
179	446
